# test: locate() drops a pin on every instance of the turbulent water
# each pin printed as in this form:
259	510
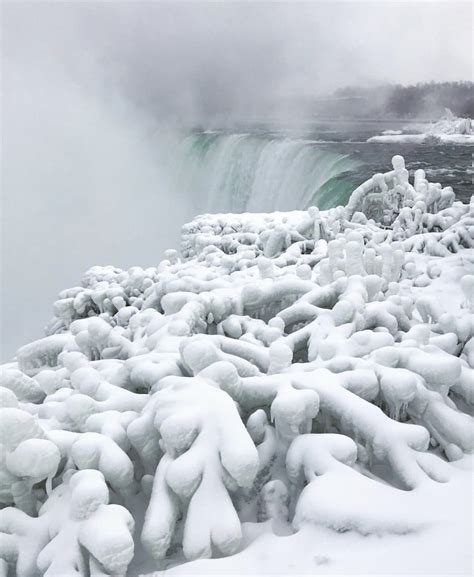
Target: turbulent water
262	170
242	172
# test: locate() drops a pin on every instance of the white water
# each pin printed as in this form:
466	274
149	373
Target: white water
241	172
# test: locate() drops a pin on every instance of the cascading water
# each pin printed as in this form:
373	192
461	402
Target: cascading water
242	172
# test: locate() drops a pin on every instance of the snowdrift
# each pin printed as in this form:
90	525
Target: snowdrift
447	130
291	370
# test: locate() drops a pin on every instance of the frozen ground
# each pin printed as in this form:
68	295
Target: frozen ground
292	394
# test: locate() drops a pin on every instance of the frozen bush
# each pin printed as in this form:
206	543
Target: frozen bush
290	369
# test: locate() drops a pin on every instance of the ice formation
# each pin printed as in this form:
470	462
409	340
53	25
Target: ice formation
278	360
449	129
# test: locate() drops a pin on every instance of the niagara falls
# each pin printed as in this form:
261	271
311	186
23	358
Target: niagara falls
237	288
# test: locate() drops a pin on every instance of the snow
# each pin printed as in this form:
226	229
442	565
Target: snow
447	130
428	138
291	394
442	547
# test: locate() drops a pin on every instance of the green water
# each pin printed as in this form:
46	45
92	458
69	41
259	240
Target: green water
243	172
260	171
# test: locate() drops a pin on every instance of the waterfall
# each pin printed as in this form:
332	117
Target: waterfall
242	172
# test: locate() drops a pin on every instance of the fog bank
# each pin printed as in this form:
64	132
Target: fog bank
96	93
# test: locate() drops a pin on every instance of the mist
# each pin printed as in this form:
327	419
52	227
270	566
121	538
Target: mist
95	95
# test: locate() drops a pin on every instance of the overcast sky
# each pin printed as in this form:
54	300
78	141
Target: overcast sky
195	59
83	82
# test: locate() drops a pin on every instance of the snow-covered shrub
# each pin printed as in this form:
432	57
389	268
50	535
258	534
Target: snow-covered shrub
207	454
27	457
290	369
76	532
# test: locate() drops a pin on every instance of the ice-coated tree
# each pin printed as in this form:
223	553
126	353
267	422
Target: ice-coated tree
279	360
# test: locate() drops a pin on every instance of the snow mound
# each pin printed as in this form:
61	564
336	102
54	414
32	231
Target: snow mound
289	370
448	129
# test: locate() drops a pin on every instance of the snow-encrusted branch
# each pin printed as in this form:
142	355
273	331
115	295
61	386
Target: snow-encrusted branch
286	367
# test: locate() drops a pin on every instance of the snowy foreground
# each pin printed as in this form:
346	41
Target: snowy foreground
447	130
295	390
